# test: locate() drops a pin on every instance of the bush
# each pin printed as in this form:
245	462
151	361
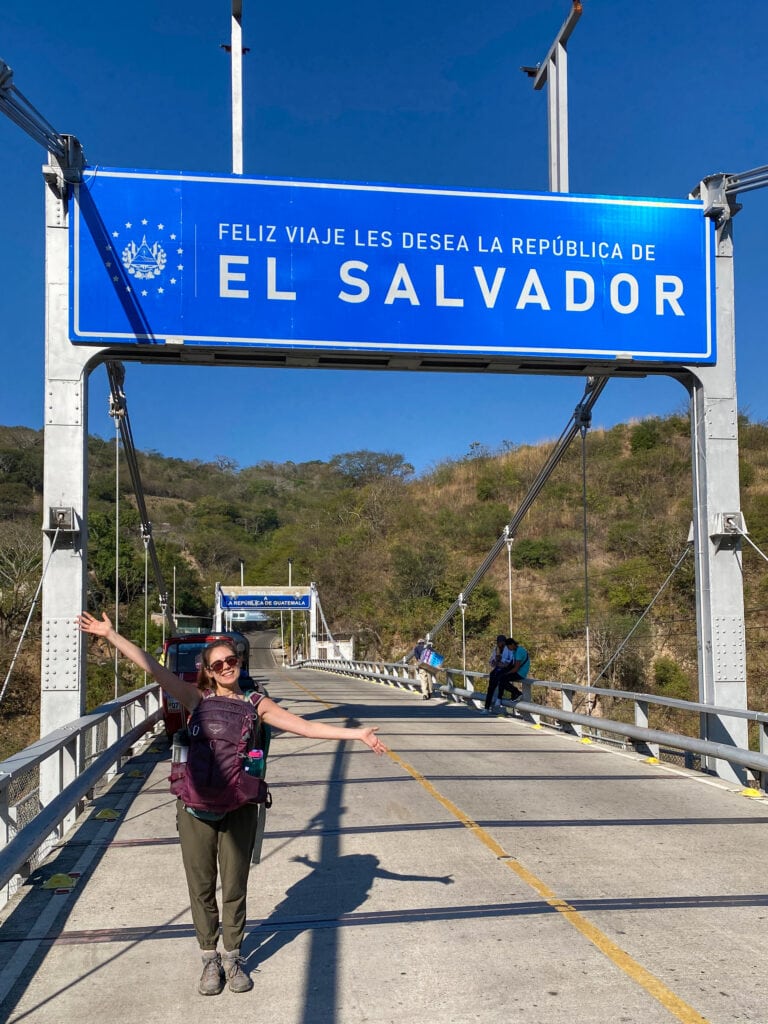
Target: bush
671	680
483	524
416	572
627	588
645	436
573	612
535	554
747	473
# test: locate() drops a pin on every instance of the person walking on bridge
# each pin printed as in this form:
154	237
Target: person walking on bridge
217	845
424	671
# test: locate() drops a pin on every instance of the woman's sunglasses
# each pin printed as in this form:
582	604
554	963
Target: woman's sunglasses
230	661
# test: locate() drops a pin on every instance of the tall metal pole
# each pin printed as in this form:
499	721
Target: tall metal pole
290	570
236	54
554	69
463	607
509	539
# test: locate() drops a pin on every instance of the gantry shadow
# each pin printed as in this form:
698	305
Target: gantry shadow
335	887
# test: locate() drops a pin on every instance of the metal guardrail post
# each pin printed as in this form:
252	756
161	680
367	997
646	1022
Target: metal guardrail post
641	719
567	705
7	824
69	768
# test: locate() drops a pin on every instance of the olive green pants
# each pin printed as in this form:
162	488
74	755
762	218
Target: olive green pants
210	849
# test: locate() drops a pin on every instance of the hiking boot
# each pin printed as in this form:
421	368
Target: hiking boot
233	969
212	978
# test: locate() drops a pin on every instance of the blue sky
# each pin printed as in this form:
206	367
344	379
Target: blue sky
428	93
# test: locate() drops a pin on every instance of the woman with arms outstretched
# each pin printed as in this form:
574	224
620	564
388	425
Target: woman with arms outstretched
214	844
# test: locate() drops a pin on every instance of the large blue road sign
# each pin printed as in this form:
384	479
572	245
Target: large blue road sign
181	259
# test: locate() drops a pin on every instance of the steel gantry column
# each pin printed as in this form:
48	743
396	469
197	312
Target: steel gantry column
62	670
717	519
65	472
718	523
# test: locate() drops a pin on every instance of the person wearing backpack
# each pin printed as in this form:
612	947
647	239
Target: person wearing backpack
424	670
216	827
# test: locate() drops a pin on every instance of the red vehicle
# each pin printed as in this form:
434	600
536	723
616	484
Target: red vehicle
181	654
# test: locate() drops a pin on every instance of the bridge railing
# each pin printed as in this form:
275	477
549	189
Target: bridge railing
460	685
43	788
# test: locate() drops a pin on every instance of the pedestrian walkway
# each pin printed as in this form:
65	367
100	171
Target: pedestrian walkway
485	871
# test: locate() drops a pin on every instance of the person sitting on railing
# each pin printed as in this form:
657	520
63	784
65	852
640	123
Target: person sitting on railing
500	660
516	670
212	844
424	671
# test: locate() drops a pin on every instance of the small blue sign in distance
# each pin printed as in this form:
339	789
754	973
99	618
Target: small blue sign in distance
182	259
285	601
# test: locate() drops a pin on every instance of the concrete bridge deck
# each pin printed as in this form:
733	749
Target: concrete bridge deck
485	871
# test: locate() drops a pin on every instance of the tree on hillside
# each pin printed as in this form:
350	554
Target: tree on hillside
20	567
364	466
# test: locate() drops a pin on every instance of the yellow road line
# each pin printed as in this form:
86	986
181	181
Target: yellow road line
678	1007
314	696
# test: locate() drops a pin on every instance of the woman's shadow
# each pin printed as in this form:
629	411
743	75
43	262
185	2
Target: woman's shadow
336	886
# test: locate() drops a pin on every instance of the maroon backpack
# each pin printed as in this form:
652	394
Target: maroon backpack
221	732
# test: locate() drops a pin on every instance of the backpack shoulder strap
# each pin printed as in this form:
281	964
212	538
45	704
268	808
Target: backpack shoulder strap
261	729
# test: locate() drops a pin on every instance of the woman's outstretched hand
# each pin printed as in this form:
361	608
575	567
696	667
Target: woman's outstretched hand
88	624
369	737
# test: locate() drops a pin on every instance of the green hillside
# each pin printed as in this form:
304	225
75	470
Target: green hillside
390	551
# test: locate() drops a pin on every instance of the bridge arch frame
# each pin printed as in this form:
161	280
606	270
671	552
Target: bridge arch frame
717	524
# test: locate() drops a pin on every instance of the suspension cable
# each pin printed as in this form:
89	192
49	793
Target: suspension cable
116	375
592	391
749	540
663	586
29	615
15	105
145	538
116	411
583	427
18	108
